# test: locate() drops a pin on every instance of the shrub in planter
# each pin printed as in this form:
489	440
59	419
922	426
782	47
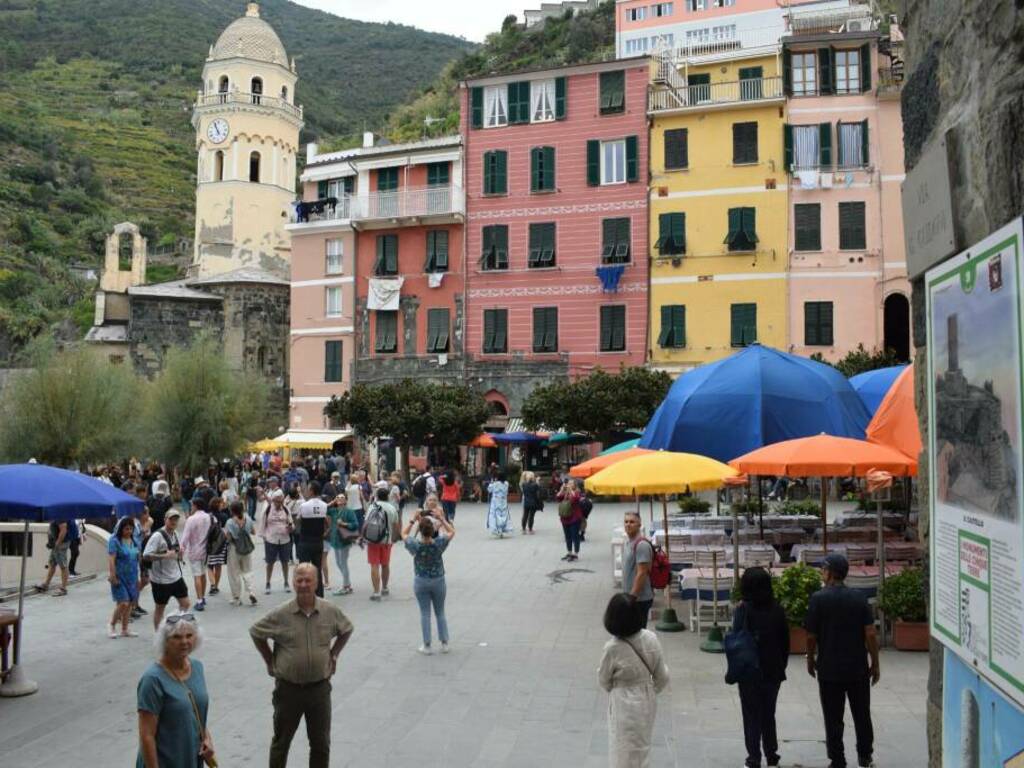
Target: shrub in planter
902	599
795	508
691	505
793	590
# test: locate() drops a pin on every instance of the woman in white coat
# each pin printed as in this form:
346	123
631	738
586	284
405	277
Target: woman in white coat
633	671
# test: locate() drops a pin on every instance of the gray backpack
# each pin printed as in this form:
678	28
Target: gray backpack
243	542
377	530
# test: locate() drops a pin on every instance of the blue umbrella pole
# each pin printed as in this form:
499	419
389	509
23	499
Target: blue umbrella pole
16	683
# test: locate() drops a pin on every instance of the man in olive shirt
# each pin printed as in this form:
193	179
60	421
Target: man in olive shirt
841	634
308	635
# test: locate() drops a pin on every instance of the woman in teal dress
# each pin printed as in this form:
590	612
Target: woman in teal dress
173	702
123	575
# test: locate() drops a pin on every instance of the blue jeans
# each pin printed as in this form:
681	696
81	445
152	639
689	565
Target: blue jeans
449	509
429	591
572	537
341	559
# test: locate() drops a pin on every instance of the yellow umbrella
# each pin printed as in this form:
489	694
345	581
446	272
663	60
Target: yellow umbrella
662	472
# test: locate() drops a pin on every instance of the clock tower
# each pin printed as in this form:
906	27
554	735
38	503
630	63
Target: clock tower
247	136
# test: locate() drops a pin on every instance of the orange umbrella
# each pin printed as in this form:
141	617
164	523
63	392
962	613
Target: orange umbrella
483	441
895	422
596	464
824	456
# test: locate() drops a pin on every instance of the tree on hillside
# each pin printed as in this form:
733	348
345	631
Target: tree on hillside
598	404
200	409
861	360
71	409
412	413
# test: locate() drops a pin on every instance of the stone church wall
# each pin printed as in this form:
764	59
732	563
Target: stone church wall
157	324
964	81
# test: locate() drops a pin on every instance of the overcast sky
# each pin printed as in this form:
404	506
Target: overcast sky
472	19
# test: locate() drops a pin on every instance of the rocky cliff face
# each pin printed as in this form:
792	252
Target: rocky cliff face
965	80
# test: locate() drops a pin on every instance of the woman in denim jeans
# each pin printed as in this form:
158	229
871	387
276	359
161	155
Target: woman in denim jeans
427	550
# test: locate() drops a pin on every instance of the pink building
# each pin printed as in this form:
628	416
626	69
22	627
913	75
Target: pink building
556	235
844	151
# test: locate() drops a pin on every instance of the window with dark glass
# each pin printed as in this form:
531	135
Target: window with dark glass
613	92
818	323
387	179
438	174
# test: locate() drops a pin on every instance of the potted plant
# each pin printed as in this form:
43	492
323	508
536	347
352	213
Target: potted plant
793	590
902	601
691	505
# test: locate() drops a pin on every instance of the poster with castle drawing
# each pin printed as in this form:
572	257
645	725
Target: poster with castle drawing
974	440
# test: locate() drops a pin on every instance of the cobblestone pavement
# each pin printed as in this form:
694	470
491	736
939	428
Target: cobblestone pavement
518	690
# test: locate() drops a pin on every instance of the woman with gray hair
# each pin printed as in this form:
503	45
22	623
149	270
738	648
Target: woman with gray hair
173	702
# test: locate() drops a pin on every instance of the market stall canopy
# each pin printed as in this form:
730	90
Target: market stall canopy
660	472
568	438
824	456
895	422
625	446
311	439
520	437
596	464
484	440
872	386
755	397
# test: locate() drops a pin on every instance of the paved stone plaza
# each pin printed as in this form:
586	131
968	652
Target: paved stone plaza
518	690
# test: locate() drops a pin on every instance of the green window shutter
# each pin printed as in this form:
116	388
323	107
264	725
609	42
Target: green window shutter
787	72
664	232
811	323
547	256
535	170
735	225
548	158
618	327
476	105
676	150
551	330
539	319
749	225
826	68
744	324
679	326
609	235
428	265
865	67
387	179
488	173
518	103
391	254
807	227
852	235
826	323
332	361
787	147
438	174
513	103
679	232
501	330
432	330
560	94
623	241
501	246
441	249
593	163
501	173
825	144
735	327
378	265
840	155
613	92
864	155
533	257
606	329
437	330
487	248
744	142
632	158
489	330
321	190
665	337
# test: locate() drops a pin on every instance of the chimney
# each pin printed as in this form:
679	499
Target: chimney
312	150
368	139
253	10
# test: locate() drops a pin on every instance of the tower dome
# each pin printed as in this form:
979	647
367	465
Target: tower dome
250	37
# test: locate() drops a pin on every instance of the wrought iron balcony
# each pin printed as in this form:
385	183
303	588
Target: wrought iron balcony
666	98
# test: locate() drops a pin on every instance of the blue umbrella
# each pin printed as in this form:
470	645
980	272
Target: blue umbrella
872	386
753	398
518	437
36	492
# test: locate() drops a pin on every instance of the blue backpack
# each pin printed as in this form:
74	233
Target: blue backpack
744	661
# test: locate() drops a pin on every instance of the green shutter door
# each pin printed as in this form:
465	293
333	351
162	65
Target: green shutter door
500	330
825	144
548	159
593	163
665	337
679	232
787	72
632	158
476	102
560	95
811	324
501	173
865	67
864	155
679	326
825	70
787	147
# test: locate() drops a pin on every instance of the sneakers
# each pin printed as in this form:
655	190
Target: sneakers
129	633
444	648
112	632
572	558
140	610
201	605
235	602
566	556
425	650
252	599
266	590
375	597
385	592
214	590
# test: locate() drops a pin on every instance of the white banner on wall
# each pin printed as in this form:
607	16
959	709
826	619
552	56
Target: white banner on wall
975	423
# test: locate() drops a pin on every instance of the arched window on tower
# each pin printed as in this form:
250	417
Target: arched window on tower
257	90
284	93
222	88
218	165
254	167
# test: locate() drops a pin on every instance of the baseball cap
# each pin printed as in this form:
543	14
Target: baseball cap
837	564
172	513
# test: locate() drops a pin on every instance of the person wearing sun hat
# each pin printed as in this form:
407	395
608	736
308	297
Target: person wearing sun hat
841	637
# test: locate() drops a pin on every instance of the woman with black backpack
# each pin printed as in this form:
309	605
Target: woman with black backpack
761	616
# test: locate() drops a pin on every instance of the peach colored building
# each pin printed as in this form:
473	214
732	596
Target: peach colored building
844	153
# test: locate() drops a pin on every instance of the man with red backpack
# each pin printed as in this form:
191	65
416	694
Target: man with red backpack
637	558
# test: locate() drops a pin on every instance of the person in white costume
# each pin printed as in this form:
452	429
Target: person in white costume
633	671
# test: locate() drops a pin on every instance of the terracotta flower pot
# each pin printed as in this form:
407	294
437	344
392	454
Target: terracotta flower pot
797	640
910	635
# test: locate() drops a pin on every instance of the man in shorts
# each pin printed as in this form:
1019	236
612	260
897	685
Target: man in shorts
58	535
379	555
193	544
312	522
163	553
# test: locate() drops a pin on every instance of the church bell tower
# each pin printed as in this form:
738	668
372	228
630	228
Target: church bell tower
247	136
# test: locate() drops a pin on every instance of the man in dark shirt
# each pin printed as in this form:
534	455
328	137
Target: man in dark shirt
841	634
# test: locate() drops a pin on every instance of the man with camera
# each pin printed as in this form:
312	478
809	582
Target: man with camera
163	554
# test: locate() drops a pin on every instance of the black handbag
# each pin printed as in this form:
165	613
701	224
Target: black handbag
741	654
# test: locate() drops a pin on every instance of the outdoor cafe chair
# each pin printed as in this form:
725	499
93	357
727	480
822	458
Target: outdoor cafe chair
703	606
763	557
812	556
708	559
861	554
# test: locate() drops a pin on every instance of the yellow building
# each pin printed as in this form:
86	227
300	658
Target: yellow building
718	205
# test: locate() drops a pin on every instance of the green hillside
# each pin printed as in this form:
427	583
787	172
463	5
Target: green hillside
95	102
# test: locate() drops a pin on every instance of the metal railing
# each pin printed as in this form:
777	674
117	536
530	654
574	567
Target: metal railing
700	96
325	209
709	47
239	97
411	202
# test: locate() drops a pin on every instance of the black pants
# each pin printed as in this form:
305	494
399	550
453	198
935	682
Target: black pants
643	607
293	702
528	513
757	701
312	552
834	694
75	543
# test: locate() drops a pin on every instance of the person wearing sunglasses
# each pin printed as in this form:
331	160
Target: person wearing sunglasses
173	701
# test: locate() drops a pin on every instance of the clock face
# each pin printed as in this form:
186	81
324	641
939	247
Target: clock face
218	131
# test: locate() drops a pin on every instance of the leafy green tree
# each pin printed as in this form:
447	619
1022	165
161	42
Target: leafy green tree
861	360
412	413
200	409
70	409
598	404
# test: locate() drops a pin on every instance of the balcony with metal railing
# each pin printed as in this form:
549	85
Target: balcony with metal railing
241	98
689	98
729	45
324	211
436	203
